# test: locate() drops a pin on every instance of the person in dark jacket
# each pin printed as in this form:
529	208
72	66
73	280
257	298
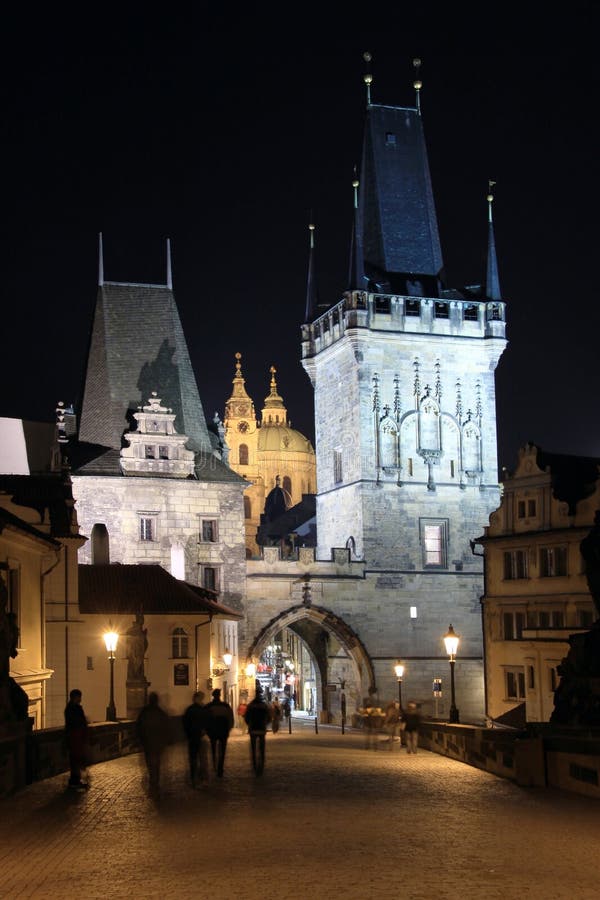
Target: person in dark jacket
76	731
258	716
412	721
153	732
219	722
194	725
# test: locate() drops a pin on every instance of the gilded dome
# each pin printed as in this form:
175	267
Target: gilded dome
282	438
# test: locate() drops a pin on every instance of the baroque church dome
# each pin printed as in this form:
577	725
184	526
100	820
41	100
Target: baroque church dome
265	450
284	439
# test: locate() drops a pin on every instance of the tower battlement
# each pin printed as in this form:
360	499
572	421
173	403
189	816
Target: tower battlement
404	314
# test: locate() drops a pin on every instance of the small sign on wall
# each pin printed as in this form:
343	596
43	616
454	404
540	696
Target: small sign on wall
181	674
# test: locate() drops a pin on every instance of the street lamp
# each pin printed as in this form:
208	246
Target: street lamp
251	670
399	670
451	642
227	657
111	639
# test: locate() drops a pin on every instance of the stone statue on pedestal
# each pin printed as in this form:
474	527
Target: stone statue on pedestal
14	704
137	686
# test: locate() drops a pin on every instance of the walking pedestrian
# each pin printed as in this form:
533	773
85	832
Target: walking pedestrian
392	721
194	725
153	733
219	722
258	716
275	715
412	721
77	736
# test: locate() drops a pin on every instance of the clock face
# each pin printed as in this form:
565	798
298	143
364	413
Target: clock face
243	426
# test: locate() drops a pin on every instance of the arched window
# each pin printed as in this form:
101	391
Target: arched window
247	508
243	454
287	485
100	546
179	643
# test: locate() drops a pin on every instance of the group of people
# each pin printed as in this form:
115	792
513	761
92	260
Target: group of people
393	721
209	725
278	711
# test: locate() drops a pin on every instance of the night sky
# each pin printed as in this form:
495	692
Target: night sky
223	132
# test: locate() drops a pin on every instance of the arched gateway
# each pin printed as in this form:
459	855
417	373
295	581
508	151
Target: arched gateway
340	662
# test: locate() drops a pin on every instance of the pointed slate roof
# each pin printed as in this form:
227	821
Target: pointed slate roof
137	346
398	229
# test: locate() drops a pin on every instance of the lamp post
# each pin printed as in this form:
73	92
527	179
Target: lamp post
111	639
451	642
399	670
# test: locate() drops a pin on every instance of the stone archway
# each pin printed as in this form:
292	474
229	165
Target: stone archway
350	665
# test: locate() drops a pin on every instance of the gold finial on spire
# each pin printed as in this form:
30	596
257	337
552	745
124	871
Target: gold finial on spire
490	199
368	77
238	364
273	370
417	83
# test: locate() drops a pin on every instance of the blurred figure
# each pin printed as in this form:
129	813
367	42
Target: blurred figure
153	733
258	716
275	715
286	708
219	722
194	725
76	732
241	711
412	721
391	723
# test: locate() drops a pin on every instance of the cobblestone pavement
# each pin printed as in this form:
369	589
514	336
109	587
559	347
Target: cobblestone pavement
327	818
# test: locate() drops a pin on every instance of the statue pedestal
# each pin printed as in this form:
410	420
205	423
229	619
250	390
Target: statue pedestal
577	698
137	697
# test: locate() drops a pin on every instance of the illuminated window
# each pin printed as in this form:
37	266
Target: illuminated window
390	139
413	612
243	454
179	644
434	540
553	561
515	564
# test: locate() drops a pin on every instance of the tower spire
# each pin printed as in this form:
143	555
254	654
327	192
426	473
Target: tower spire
312	295
492	282
100	261
169	269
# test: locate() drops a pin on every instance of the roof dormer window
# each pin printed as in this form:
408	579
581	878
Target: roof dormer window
390	139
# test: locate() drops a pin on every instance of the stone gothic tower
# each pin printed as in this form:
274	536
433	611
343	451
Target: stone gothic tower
403	375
